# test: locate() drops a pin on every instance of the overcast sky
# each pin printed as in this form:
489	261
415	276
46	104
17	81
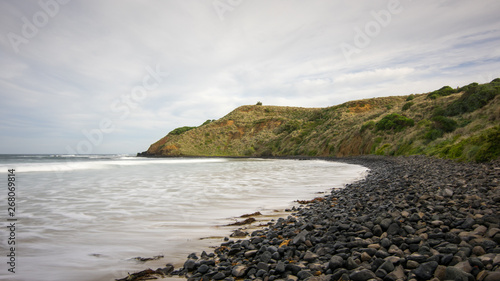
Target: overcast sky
115	76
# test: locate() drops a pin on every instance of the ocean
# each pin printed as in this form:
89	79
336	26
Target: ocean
86	217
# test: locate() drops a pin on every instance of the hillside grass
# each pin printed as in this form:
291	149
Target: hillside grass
460	124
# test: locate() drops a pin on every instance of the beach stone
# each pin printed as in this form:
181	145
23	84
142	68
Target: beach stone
412	264
478	251
386	243
280	267
336	262
251	253
351	263
453	273
362	275
300	238
393	229
377	230
219	276
190	265
203	269
492	276
440	272
239	271
310	257
387	266
365	256
385	223
426	270
397	274
304	274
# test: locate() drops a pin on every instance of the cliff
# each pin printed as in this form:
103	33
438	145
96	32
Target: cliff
461	124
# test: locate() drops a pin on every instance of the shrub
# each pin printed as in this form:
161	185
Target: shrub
444	91
474	98
180	130
433	134
208	122
394	122
259	103
410	97
367	125
444	124
407	105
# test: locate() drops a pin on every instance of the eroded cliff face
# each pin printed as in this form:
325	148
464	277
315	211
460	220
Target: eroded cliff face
403	125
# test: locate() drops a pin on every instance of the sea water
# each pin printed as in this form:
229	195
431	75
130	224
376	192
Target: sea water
86	217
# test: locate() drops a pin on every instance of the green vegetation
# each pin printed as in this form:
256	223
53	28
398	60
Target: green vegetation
181	130
444	91
407	106
475	97
460	124
394	122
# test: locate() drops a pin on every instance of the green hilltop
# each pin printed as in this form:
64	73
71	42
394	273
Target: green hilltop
461	124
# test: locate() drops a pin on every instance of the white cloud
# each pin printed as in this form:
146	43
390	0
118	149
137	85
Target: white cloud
93	53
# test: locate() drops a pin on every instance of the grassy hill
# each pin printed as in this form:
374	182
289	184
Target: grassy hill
461	124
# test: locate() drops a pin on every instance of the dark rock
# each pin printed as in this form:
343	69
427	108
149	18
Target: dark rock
336	262
362	275
426	270
219	276
304	274
310	257
456	274
387	266
190	265
393	229
280	267
203	269
385	223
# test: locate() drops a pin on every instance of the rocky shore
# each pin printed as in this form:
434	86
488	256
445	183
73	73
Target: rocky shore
411	218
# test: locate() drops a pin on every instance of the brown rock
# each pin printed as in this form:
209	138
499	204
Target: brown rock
478	251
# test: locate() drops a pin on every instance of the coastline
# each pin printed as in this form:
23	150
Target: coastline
411	218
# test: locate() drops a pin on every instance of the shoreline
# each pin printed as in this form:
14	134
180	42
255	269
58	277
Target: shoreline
411	218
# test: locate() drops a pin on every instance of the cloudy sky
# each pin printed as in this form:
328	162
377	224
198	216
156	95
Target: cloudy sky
115	76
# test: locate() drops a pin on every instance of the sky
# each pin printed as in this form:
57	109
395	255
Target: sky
114	76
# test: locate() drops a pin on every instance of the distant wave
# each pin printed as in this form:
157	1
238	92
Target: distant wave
89	162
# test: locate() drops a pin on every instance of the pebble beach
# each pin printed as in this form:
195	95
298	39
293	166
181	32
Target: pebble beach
411	218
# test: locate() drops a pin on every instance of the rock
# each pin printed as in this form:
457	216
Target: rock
397	274
426	270
250	253
280	267
387	266
219	276
304	274
377	230
351	263
300	238
385	223
464	266
492	276
310	257
446	192
412	264
365	256
239	271
362	275
453	273
203	269
440	272
478	251
190	265
386	243
336	262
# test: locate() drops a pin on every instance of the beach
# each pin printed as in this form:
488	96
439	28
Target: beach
411	218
